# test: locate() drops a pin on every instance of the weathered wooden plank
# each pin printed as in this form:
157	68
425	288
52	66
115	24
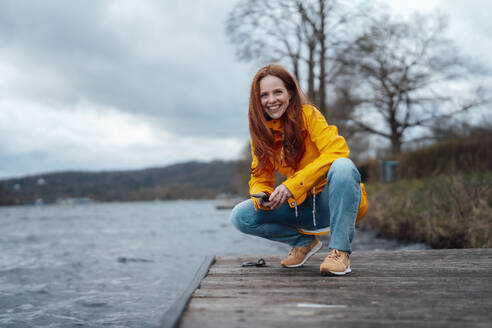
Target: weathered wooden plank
448	288
171	317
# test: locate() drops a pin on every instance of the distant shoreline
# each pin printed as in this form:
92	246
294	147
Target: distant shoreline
192	180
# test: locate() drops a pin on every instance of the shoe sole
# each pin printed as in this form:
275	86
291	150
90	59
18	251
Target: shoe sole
335	273
315	249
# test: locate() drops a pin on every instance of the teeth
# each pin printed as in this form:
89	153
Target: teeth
274	107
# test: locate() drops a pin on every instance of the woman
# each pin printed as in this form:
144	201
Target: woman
322	191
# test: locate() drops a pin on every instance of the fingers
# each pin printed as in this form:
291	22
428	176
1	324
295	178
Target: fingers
279	196
274	198
263	203
259	198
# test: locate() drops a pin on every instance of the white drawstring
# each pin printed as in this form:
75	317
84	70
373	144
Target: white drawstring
314	206
282	149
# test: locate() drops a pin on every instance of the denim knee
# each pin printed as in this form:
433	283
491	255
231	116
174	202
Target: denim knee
235	219
238	217
343	169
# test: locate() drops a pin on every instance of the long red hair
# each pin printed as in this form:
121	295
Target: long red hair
294	131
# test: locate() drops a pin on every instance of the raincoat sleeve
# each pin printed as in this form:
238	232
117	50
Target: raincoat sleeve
330	146
262	183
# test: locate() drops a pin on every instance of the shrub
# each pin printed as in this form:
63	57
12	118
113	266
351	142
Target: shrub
448	211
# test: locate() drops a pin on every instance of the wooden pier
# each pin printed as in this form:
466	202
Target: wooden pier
430	288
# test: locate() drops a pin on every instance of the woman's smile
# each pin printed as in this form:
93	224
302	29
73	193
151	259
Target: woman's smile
274	96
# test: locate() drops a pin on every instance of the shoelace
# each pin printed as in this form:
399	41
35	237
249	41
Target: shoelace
335	254
295	250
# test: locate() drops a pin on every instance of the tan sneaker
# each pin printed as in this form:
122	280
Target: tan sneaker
336	263
299	255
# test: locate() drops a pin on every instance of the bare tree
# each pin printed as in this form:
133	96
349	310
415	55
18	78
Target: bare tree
309	36
405	75
266	31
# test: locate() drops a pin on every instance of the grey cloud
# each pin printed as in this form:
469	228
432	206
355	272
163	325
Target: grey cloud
185	77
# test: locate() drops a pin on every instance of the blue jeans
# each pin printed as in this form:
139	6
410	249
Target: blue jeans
336	207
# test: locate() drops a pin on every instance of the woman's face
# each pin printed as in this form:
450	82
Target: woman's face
274	96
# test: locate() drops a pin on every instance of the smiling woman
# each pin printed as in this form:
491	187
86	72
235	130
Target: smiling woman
290	136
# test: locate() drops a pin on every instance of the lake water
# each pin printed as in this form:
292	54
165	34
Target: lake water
115	264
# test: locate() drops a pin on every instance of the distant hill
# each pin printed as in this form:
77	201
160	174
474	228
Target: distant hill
179	181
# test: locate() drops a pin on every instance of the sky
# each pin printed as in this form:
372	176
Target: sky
131	84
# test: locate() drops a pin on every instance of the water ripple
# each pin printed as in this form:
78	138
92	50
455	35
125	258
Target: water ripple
117	265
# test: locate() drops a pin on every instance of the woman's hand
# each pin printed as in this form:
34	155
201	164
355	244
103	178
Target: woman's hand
260	196
279	196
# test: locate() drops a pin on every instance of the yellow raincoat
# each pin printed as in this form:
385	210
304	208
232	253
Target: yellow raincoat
323	146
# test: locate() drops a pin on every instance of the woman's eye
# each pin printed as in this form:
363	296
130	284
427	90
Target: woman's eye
278	92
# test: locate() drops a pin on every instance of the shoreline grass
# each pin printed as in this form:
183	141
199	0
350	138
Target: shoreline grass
447	211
